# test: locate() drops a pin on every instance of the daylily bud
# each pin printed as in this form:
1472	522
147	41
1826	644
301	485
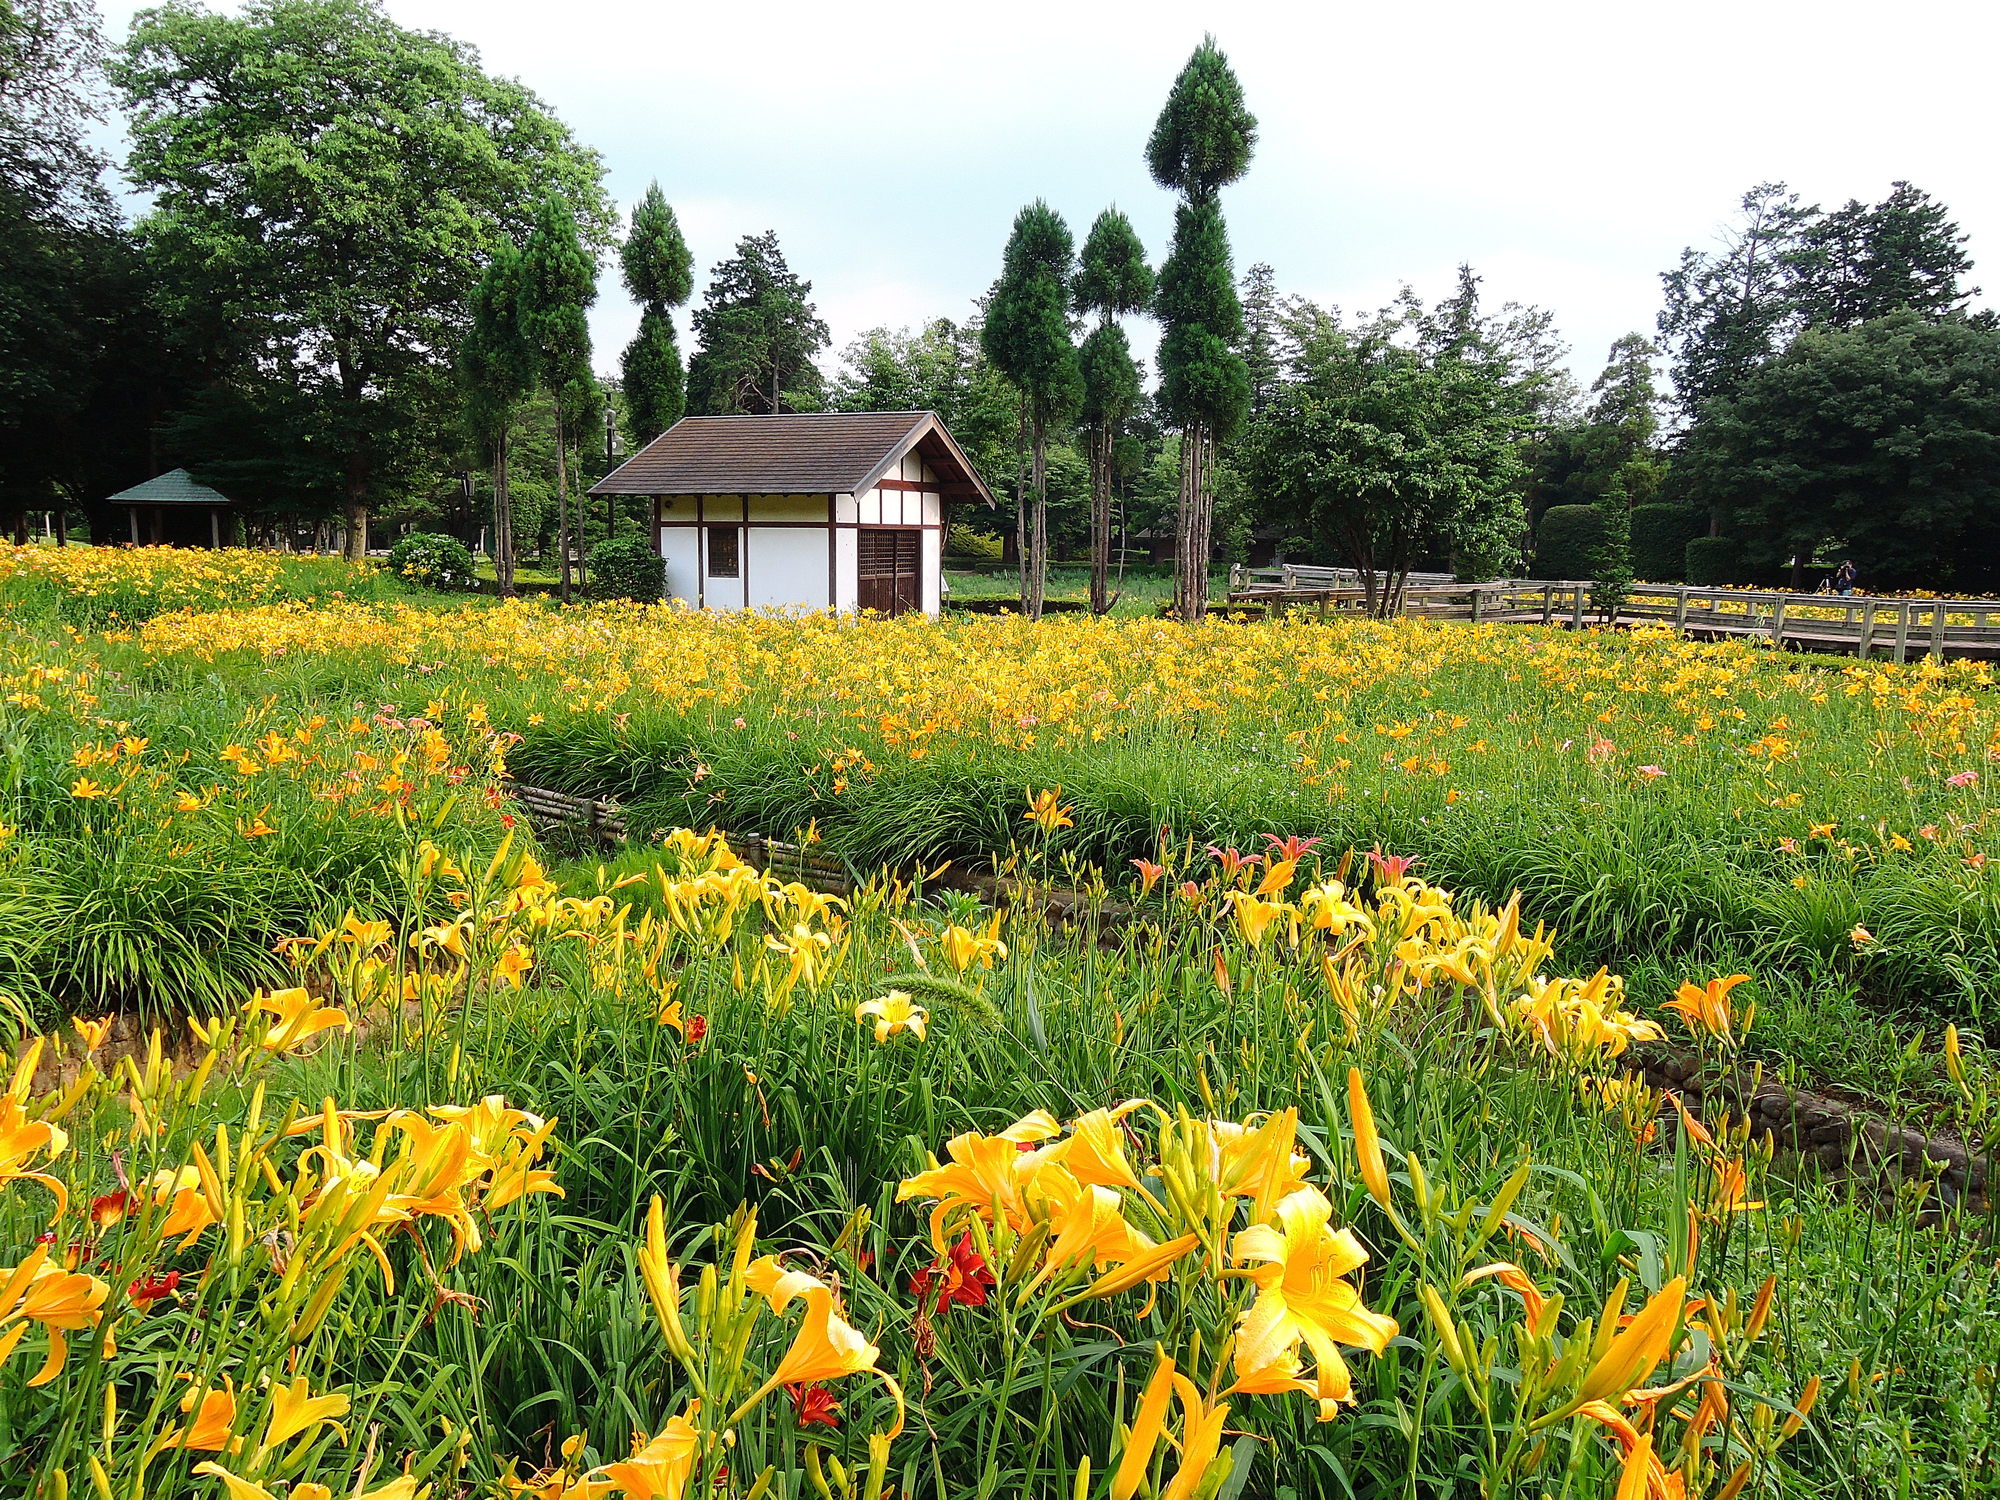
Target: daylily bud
1367	1145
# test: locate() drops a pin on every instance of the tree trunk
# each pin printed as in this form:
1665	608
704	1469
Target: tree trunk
562	505
1038	530
1021	504
1100	519
503	520
1191	535
356	549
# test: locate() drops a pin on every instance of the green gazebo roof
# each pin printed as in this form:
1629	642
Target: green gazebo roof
175	487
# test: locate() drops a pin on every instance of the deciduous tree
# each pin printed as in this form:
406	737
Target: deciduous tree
499	368
327	188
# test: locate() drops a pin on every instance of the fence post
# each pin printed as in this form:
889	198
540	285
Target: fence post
1937	631
1778	621
1476	596
1548	599
1867	640
1680	609
1903	632
1576	612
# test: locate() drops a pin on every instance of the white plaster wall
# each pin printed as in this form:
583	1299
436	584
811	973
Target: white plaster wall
787	568
933	511
931	572
871	508
679	547
845	509
847	570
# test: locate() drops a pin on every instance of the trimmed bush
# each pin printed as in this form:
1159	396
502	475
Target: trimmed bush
432	561
963	541
1570	542
624	567
1660	535
1714	560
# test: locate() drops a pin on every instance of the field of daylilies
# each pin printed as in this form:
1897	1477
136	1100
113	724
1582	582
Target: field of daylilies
360	1144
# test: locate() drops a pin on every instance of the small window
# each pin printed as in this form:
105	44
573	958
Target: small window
724	543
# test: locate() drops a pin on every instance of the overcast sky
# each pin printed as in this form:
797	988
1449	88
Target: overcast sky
1566	150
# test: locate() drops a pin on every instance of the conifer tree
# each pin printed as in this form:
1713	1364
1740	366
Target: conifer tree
1112	279
1026	335
659	273
1201	144
558	283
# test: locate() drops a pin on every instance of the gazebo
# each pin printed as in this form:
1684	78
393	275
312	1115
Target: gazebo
174	511
831	510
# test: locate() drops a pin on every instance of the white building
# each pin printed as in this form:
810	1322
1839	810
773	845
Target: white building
837	510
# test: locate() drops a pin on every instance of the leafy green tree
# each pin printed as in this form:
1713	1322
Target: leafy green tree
1386	452
659	273
1884	439
499	367
942	368
1112	279
1027	337
558	282
760	336
1201	143
327	188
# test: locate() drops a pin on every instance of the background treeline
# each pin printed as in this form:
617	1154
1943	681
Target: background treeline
358	289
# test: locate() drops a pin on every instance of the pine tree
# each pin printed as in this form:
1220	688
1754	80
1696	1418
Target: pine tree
1112	279
1026	336
558	283
497	365
1261	334
759	333
1201	144
659	273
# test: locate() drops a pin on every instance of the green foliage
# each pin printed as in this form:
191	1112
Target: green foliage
1202	377
626	567
326	215
659	270
1204	137
1714	560
496	360
557	286
1613	565
1660	534
1885	438
1262	334
1569	544
942	368
1026	331
659	273
759	336
655	385
432	561
1385	453
1111	378
1112	277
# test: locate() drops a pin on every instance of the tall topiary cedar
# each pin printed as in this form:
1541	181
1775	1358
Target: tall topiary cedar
1112	279
659	273
558	283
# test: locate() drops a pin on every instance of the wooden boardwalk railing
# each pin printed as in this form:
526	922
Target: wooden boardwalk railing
1854	625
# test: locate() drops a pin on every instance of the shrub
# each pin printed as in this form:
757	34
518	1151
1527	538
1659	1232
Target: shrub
432	561
1714	560
1570	541
963	541
1660	535
625	567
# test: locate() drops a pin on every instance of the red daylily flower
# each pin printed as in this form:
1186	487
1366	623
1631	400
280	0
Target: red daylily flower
813	1405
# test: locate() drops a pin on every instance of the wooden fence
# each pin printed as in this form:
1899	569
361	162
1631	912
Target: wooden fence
1855	625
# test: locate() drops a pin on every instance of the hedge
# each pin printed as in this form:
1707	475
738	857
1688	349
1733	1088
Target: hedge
627	567
1660	536
1569	542
1714	560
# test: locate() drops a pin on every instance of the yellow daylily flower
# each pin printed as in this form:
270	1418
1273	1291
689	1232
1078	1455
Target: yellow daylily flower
295	1410
1707	1008
60	1300
1045	813
1637	1348
659	1469
297	1018
1300	1267
92	1034
892	1013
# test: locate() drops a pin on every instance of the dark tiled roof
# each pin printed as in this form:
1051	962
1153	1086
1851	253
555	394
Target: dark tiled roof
175	487
827	453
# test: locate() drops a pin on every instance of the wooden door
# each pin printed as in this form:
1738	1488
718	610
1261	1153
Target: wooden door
891	578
